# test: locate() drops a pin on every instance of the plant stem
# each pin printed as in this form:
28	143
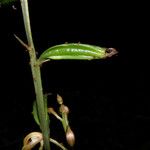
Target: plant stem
36	73
58	144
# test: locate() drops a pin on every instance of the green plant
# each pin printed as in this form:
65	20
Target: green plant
40	111
4	2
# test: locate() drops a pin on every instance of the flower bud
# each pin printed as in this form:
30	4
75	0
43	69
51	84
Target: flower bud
64	109
59	99
70	137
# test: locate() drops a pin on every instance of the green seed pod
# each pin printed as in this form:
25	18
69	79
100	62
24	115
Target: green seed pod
76	51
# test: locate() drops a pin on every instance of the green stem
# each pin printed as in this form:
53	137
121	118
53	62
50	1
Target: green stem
36	73
58	144
65	121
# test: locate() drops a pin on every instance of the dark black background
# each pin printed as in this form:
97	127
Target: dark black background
108	99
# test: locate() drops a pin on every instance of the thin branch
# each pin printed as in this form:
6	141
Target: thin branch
22	43
58	144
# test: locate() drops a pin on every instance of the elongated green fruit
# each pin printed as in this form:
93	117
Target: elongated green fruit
76	51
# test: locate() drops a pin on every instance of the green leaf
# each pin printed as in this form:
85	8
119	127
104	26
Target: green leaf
35	111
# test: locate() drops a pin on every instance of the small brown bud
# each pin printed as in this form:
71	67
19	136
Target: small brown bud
52	111
70	137
59	99
64	109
